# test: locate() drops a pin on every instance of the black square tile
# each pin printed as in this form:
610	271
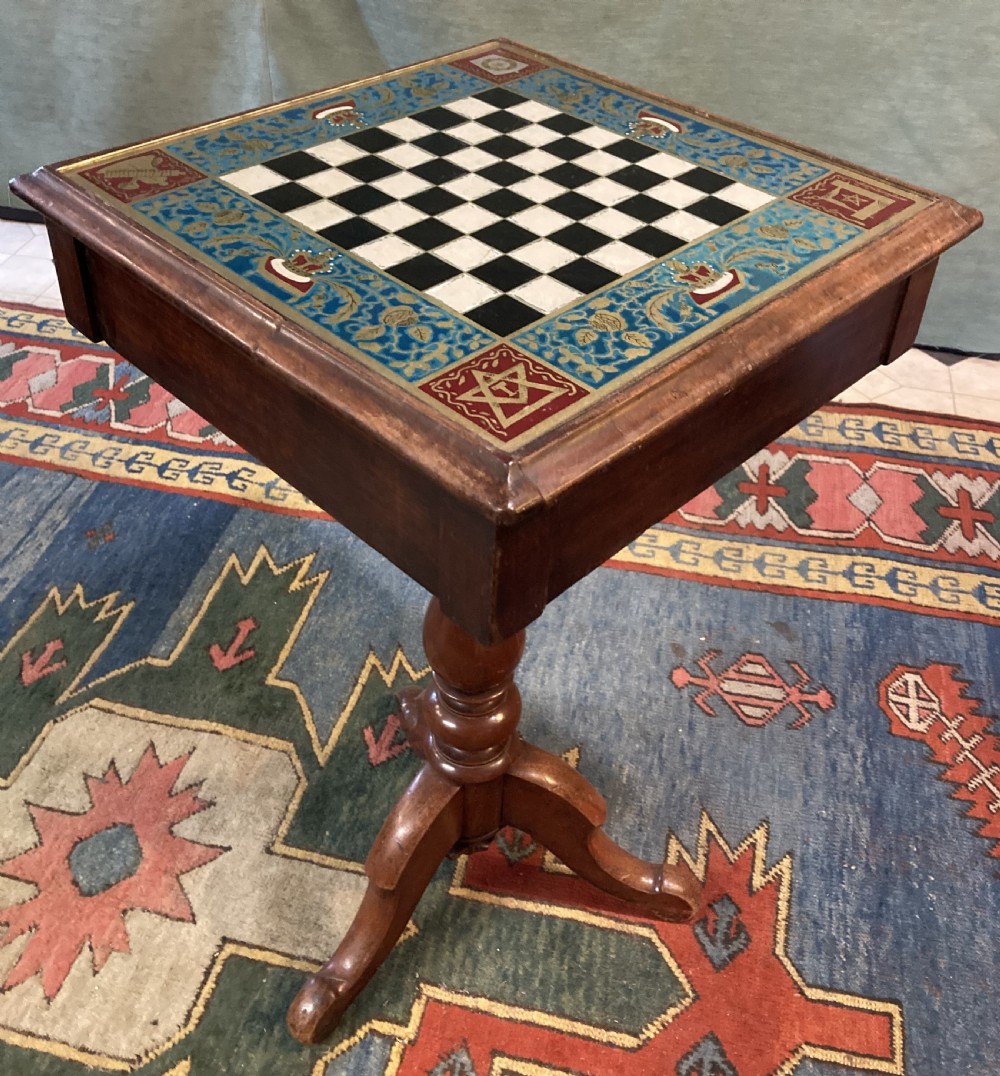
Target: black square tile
653	242
568	149
636	177
716	210
297	165
504	146
440	144
504	173
644	208
369	168
504	202
504	273
503	315
629	150
569	175
428	234
579	238
502	121
584	275
434	201
704	180
362	199
564	124
351	233
423	271
286	197
504	236
438	171
373	140
498	97
440	118
574	205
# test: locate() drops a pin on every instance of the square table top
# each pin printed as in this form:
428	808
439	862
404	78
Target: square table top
536	270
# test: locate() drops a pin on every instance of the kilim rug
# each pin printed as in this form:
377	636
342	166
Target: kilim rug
792	684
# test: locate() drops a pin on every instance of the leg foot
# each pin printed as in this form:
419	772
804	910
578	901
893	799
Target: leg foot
418	834
546	797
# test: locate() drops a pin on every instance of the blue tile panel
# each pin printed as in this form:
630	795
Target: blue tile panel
239	145
610	333
389	323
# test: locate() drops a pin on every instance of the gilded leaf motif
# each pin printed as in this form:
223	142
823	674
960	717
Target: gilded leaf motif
607	321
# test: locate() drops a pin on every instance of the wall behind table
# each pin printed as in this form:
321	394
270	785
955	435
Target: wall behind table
910	89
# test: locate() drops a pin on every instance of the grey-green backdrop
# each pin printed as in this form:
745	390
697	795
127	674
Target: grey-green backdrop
912	89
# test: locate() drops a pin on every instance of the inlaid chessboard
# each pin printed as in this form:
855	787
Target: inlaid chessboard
508	238
502	208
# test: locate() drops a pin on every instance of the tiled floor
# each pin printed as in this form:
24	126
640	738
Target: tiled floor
947	384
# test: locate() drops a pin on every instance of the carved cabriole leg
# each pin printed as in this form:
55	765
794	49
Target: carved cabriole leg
478	775
422	828
546	797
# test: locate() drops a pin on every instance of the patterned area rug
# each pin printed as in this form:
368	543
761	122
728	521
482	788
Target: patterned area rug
792	684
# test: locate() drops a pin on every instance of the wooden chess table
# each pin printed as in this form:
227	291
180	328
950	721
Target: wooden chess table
497	315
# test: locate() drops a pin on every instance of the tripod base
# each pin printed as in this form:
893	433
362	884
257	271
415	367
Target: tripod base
478	776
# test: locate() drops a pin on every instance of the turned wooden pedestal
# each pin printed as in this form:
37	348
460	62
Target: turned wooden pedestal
478	775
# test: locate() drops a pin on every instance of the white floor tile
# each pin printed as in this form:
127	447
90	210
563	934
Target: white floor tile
24	279
978	407
976	377
14	235
917	370
943	403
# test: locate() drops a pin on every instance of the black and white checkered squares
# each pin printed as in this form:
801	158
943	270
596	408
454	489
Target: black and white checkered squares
500	207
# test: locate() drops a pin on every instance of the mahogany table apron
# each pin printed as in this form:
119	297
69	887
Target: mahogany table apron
498	315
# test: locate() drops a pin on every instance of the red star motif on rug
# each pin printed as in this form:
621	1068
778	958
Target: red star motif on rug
92	868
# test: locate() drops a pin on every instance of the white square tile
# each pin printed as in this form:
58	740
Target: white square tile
676	194
666	165
546	294
406	155
387	250
686	225
395	216
406	128
544	255
600	162
534	111
536	160
468	217
319	214
328	183
337	152
471	107
51	298
255	179
605	191
538	189
401	185
619	257
472	132
470	187
536	135
745	197
472	159
540	220
613	223
463	292
977	377
466	252
598	137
